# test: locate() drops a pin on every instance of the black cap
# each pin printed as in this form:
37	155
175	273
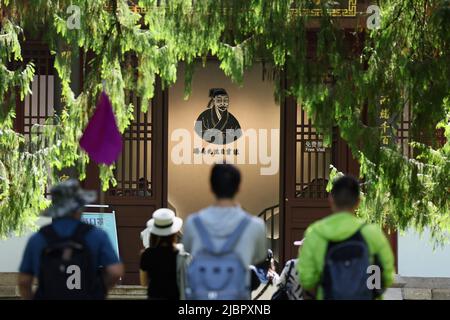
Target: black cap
217	92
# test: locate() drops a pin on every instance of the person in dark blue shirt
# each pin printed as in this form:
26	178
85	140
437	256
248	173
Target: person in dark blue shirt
68	201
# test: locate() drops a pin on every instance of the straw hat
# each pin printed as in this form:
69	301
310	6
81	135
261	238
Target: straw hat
164	223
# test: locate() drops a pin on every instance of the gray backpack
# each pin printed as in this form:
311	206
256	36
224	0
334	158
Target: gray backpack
217	274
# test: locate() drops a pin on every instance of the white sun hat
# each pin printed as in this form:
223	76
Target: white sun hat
164	223
299	242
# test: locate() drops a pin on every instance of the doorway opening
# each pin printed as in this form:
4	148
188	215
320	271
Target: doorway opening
217	106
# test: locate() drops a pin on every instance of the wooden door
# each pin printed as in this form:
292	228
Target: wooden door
38	106
305	173
141	174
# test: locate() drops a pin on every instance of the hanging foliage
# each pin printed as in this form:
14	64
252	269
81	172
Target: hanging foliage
356	79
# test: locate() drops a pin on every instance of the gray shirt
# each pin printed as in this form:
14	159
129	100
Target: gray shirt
221	222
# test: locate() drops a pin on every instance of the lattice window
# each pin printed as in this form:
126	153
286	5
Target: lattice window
133	170
312	160
39	105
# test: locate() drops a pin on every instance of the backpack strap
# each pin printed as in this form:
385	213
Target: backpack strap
291	265
358	234
362	226
81	230
264	289
235	235
50	234
204	235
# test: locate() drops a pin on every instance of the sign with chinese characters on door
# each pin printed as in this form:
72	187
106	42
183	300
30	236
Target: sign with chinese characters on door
339	8
314	146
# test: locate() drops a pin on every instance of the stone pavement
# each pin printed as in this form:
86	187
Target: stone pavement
404	288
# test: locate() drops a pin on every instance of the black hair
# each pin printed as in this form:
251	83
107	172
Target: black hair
162	241
213	93
225	180
345	192
217	92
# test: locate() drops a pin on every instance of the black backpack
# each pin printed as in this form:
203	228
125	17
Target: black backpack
66	270
345	271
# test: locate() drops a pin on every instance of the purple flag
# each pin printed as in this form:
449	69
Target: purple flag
101	138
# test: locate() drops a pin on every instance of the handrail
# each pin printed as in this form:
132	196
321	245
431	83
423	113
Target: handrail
269	213
268	208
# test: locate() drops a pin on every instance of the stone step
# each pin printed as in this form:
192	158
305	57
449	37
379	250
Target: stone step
126	297
441	294
8	278
128	290
9	292
407	288
120	292
426	282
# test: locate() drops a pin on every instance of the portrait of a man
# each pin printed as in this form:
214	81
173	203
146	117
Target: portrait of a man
216	124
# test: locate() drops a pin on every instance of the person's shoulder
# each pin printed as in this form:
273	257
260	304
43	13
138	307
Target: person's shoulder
291	261
96	234
372	232
96	230
204	113
231	116
256	228
148	252
313	227
180	250
188	224
189	220
200	213
147	256
332	219
253	220
37	238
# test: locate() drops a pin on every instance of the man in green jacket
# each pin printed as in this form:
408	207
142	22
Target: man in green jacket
336	228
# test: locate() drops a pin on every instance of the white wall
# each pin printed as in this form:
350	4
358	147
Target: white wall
11	250
416	257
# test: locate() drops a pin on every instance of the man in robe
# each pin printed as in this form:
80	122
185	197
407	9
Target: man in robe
216	124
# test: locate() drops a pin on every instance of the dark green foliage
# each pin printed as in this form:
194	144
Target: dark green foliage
343	78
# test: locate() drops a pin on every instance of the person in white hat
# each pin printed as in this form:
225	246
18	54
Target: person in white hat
289	287
163	261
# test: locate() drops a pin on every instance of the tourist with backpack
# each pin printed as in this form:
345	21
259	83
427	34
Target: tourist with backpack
163	262
224	241
70	259
340	251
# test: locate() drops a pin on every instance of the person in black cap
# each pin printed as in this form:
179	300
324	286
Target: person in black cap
216	124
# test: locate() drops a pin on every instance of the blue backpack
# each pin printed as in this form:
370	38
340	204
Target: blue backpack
217	274
345	273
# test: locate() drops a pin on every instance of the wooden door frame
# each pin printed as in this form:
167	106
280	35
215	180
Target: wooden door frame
284	103
159	168
342	159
